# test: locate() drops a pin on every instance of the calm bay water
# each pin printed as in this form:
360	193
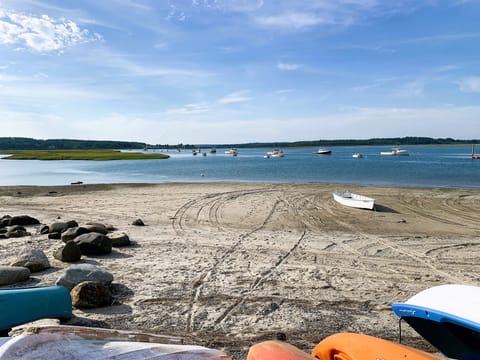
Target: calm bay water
427	166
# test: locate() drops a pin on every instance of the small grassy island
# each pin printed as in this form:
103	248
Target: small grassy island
100	155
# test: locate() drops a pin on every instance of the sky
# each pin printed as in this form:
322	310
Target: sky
237	71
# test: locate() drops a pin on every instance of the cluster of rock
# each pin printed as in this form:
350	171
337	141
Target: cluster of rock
88	284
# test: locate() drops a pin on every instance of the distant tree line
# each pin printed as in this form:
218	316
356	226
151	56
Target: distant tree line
20	143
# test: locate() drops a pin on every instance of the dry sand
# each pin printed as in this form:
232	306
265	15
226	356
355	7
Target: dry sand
228	265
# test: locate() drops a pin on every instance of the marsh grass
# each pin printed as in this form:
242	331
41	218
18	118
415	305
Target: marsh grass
99	155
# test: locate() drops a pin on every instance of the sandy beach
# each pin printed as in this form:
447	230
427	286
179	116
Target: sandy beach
227	265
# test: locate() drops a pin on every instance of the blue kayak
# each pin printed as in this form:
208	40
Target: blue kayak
22	305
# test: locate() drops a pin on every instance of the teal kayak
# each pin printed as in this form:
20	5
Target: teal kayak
22	305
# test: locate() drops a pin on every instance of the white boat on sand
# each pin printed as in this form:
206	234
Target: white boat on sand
354	200
395	152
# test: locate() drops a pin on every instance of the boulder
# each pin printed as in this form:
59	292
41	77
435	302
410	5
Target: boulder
95	227
11	275
33	259
4	220
70	252
94	244
59	227
138	222
23	220
55	235
77	273
16	231
72	233
90	294
72	223
119	239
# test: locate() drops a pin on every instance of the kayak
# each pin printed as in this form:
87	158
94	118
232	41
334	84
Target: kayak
276	350
22	305
350	346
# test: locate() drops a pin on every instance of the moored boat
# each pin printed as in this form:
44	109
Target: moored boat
447	317
354	200
322	152
395	152
274	153
232	151
357	155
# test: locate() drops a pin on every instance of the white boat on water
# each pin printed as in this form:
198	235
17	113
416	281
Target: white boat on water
395	152
354	200
322	152
232	151
357	155
274	153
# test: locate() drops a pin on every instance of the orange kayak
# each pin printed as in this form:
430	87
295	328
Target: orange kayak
276	350
349	346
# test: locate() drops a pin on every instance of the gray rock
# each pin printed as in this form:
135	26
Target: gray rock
95	227
75	274
23	220
72	223
138	222
11	275
33	259
17	231
72	233
59	227
94	244
70	252
89	295
55	235
119	239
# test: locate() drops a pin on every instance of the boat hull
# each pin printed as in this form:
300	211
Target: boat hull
21	305
355	201
276	350
345	346
447	317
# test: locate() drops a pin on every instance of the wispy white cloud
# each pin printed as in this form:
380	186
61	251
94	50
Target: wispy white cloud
235	97
288	66
189	109
412	88
470	84
294	20
41	34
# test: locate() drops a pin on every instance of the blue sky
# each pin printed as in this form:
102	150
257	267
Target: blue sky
206	71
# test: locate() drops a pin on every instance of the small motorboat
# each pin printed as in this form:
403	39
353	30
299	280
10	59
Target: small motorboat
322	152
232	151
274	153
354	200
357	155
395	152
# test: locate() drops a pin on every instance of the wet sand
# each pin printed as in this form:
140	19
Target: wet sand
227	265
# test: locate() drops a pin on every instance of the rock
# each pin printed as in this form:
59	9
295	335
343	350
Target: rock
5	220
72	233
94	244
17	231
33	259
11	275
44	229
95	227
119	239
90	294
55	235
138	222
23	220
72	223
70	252
75	274
59	227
